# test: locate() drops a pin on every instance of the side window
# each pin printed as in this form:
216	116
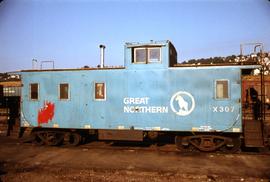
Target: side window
147	55
222	89
34	91
100	91
153	55
63	91
140	55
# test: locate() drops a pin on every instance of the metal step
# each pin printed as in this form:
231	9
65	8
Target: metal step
253	133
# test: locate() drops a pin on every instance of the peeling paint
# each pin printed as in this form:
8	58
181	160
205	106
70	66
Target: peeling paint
46	113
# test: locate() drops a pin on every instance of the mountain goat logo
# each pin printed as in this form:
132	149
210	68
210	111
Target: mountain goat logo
182	103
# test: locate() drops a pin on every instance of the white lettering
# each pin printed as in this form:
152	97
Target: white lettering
136	100
215	109
125	100
159	109
145	109
131	100
223	109
164	109
127	109
232	108
138	105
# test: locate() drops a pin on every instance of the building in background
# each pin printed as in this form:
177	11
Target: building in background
10	93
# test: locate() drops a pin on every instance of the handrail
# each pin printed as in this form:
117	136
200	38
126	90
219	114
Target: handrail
46	62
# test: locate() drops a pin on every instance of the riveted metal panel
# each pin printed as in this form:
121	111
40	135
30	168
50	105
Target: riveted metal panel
139	99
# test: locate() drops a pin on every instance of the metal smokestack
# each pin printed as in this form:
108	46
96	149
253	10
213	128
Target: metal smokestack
102	50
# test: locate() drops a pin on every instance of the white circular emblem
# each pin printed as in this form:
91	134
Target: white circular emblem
182	103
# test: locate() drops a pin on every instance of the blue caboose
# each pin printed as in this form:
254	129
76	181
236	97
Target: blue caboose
150	94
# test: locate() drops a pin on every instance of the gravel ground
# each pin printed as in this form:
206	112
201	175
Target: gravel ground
26	162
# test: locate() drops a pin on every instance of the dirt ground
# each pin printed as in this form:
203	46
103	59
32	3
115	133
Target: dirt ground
27	162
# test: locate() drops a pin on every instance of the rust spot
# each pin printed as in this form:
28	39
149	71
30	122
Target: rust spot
46	113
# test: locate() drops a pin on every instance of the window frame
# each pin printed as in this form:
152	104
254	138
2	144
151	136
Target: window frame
135	55
228	89
148	55
30	92
59	92
147	51
105	91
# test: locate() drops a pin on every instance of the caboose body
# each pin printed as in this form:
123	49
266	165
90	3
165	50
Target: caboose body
150	93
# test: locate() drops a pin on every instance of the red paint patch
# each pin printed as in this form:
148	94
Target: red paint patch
46	113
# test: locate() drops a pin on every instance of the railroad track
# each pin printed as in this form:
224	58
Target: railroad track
136	147
160	148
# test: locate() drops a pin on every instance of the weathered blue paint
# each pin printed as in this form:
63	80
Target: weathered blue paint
154	84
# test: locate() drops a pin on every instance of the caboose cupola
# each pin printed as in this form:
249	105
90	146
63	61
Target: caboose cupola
152	55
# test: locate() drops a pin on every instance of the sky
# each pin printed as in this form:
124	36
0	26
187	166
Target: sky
69	32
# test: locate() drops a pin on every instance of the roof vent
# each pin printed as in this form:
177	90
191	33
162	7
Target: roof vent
102	50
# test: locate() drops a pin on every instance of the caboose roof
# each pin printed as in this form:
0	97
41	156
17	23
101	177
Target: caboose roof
75	69
146	44
167	60
179	66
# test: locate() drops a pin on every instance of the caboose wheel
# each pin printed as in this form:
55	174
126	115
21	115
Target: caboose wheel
180	146
232	147
51	139
183	145
205	143
54	138
47	138
73	139
37	139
